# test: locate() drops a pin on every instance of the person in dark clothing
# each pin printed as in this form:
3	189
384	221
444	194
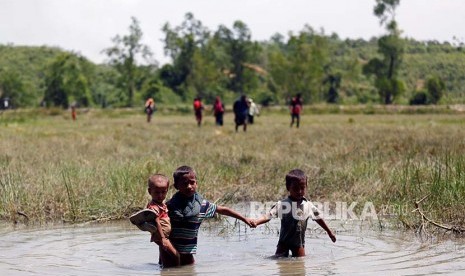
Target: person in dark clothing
241	111
294	212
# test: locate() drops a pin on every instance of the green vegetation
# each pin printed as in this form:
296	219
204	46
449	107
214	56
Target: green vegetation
227	62
391	47
123	56
52	168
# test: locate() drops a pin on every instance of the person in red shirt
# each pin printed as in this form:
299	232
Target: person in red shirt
296	108
198	107
218	111
158	186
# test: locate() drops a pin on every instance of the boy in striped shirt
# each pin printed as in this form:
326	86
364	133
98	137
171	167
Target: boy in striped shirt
187	209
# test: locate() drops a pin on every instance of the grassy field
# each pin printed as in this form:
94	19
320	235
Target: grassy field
54	169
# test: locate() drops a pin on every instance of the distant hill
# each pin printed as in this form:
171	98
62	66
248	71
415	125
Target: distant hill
29	62
421	61
425	59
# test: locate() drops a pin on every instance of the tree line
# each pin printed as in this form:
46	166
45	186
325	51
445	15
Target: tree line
226	62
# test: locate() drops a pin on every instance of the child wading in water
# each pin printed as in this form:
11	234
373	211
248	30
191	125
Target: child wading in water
158	185
294	212
187	209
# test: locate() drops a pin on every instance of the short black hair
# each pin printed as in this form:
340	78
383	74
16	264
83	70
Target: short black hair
295	176
179	173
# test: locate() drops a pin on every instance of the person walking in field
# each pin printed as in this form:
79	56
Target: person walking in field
295	109
149	108
218	111
73	112
198	108
241	111
294	212
253	110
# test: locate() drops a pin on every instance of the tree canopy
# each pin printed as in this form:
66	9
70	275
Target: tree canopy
228	62
124	58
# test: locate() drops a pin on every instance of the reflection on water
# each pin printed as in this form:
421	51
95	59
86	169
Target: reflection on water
118	248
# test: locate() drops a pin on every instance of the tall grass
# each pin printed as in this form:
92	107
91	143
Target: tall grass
441	178
52	168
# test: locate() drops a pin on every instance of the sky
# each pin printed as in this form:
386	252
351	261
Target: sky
87	26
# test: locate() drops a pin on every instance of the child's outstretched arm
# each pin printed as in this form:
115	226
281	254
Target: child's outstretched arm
323	225
231	213
262	220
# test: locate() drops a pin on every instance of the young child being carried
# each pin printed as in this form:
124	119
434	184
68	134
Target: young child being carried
294	212
187	209
155	218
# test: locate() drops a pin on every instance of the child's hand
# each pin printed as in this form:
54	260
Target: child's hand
250	222
332	236
164	243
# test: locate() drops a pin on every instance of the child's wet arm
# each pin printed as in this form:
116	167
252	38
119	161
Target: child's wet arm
158	224
231	213
262	220
323	225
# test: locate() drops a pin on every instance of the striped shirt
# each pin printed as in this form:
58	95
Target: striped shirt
184	231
